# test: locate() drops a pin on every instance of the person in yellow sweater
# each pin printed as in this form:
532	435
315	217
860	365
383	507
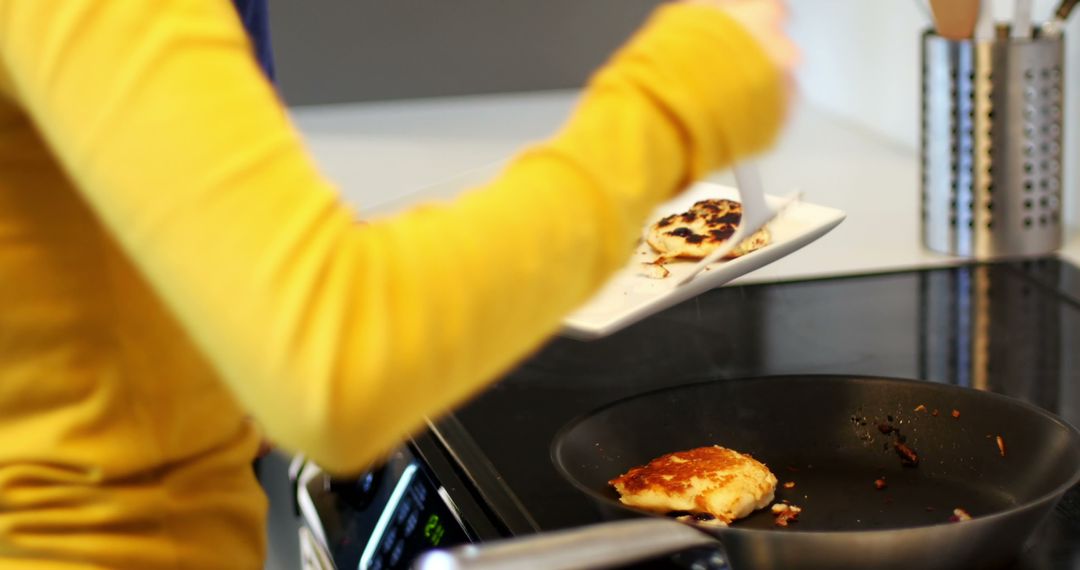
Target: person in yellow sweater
171	260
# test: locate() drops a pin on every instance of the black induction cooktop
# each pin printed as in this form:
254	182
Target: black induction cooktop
1012	328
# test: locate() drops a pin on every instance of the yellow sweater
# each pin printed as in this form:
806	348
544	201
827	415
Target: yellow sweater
171	260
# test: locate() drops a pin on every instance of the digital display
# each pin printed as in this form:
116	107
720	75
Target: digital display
392	517
434	530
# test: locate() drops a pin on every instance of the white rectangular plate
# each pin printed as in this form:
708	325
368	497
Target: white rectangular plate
630	295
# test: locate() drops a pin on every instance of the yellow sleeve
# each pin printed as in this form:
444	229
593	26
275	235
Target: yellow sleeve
338	336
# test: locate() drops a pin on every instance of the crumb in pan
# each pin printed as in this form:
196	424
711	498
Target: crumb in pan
959	515
785	513
702	519
908	457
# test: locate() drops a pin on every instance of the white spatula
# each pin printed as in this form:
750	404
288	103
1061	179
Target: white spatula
1021	25
756	213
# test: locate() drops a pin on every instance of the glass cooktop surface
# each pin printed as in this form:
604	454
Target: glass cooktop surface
1012	328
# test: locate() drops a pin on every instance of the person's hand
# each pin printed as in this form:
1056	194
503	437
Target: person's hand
764	20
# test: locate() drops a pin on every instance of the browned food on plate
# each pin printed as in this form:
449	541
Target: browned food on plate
956	413
655	269
1001	445
707	225
714	481
789	485
785	513
920	408
880	484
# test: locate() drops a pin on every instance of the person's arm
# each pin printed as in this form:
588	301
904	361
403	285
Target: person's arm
339	337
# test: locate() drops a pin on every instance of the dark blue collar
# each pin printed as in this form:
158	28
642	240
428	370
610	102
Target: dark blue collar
256	20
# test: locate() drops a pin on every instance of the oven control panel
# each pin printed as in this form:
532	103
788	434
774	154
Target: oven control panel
383	519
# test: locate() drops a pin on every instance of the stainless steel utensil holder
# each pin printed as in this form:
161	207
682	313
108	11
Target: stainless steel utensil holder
991	145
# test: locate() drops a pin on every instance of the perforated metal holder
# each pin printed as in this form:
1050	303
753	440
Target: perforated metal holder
992	145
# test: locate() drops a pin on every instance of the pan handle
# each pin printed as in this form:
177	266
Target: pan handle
593	546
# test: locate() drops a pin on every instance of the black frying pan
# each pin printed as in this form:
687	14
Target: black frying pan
827	435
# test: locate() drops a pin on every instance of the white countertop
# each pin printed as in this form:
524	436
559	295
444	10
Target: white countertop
385	156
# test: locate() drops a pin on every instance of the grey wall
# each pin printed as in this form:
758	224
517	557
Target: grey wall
332	51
